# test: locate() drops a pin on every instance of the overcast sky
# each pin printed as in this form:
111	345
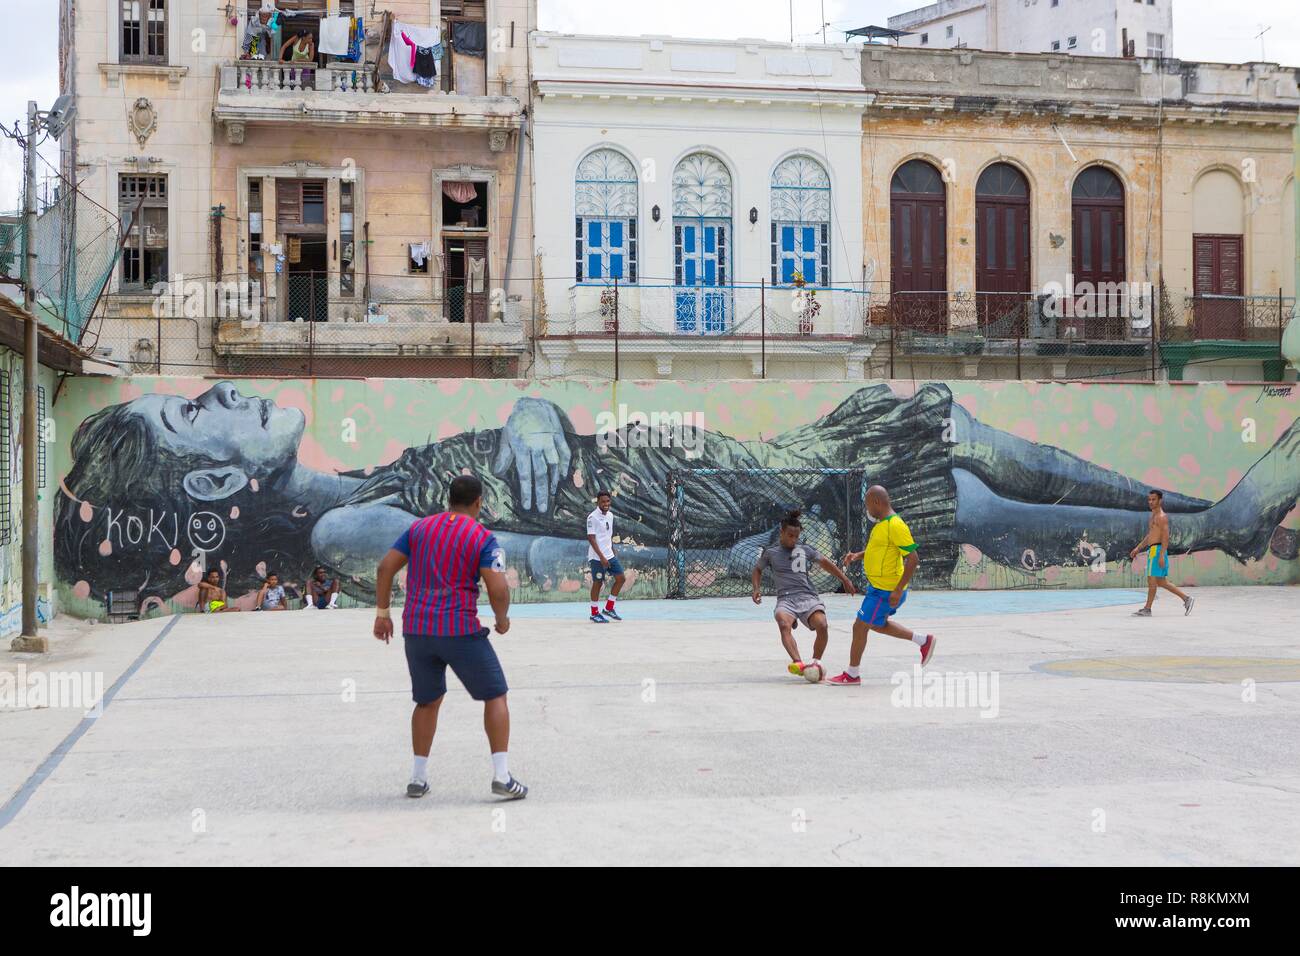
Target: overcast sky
1215	30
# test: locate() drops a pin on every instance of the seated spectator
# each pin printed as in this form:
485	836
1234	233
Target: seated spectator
322	591
212	596
271	595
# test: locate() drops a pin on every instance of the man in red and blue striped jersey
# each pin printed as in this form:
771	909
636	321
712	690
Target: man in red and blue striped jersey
447	554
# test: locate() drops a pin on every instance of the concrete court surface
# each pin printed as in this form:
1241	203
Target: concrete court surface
676	737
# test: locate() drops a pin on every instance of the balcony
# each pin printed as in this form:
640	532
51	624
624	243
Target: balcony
402	327
258	92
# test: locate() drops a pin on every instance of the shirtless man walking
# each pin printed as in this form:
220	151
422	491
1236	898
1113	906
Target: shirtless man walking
1157	543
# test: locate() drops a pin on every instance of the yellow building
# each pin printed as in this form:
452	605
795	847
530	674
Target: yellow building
1031	205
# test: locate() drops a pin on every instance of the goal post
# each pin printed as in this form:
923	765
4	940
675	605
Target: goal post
720	519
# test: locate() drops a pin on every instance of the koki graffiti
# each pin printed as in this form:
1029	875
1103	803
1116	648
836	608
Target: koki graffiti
177	476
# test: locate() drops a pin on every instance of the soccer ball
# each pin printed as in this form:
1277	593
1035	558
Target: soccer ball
813	673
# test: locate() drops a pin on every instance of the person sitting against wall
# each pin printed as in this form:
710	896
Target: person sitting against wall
322	591
271	595
212	596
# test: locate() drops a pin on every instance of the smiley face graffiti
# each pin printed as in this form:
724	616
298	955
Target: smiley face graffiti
206	531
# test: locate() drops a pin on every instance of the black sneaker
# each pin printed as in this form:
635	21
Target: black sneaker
417	788
512	789
598	619
611	614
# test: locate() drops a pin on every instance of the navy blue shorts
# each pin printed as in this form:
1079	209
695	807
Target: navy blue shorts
875	608
471	658
598	570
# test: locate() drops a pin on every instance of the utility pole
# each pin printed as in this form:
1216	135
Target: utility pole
29	639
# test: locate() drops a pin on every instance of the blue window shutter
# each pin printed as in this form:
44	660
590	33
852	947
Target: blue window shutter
688	239
710	239
615	266
787	238
710	272
809	239
690	272
593	265
616	235
810	271
787	270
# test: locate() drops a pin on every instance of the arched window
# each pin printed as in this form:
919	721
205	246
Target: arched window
801	222
701	243
605	238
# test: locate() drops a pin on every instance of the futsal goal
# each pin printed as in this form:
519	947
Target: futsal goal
720	519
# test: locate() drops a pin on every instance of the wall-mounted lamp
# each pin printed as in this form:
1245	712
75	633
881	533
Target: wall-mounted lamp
654	213
753	215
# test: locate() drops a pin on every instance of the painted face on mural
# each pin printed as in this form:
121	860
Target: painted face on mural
252	433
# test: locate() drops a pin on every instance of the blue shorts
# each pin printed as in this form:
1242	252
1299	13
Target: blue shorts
1157	562
471	658
875	608
598	570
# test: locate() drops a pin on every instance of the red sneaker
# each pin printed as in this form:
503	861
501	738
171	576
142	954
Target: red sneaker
844	680
927	649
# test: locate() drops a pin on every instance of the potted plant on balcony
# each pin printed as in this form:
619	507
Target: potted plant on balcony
806	305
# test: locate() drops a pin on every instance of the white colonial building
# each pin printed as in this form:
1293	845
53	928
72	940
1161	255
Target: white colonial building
703	198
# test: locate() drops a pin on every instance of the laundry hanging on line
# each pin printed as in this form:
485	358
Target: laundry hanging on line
469	37
402	46
334	33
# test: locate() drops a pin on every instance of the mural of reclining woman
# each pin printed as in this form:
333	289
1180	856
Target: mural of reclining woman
143	469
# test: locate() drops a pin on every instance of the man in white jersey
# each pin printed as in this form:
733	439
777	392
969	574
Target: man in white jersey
601	558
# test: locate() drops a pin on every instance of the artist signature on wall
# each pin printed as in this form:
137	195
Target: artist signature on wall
1274	391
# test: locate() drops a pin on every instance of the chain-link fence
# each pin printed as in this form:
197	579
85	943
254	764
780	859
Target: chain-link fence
312	324
608	329
720	520
1232	318
318	323
77	244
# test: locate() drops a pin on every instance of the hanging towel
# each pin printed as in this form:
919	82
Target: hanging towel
334	35
356	39
460	192
469	37
401	48
476	269
419	253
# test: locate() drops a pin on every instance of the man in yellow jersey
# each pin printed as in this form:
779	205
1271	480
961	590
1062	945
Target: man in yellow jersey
889	561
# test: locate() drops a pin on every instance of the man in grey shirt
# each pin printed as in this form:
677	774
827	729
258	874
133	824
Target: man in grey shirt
797	600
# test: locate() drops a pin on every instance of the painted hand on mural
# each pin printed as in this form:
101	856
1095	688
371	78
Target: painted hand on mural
533	446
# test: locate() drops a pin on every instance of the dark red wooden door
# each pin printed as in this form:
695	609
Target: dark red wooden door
918	242
1002	250
1217	271
1098	256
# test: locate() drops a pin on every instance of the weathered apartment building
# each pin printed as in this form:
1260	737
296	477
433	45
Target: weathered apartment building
349	170
704	209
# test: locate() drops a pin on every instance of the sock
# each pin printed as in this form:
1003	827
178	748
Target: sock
851	671
594	609
813	661
918	638
500	771
419	769
334	598
609	603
